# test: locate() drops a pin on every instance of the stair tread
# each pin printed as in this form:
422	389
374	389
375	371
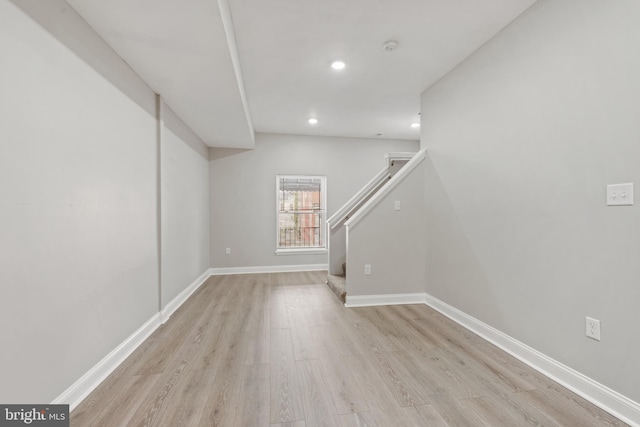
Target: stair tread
337	284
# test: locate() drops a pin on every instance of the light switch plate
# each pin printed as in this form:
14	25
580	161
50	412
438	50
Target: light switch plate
397	205
620	194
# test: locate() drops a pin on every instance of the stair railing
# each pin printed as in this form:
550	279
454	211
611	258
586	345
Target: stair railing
352	205
336	232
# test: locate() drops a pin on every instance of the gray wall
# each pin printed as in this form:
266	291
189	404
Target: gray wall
243	189
391	241
523	137
79	184
185	206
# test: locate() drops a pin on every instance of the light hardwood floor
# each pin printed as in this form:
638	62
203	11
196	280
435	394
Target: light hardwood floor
280	350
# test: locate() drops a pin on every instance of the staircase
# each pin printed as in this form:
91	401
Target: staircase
336	230
338	284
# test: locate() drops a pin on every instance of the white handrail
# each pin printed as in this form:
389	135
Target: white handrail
346	209
395	180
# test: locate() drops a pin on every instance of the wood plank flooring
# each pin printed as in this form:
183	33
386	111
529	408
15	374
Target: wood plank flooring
280	350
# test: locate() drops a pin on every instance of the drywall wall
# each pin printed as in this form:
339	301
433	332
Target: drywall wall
185	206
78	206
390	239
522	139
243	192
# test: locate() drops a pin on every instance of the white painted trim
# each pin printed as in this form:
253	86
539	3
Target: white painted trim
385	299
79	390
227	24
180	299
338	217
322	212
609	400
399	156
92	379
384	191
267	269
301	251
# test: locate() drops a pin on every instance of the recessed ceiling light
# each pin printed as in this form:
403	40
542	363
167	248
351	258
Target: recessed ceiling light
313	121
338	65
415	125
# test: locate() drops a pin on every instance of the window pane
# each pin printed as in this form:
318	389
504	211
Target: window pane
301	211
299	194
300	230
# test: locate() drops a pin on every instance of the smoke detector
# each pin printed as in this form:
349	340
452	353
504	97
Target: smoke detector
389	46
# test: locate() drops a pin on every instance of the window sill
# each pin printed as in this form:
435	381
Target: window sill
301	251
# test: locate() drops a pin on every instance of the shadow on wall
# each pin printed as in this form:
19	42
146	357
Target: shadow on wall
449	248
61	21
221	153
172	122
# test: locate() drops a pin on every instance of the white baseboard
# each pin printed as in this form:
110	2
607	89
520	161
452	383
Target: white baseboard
267	269
386	299
175	303
90	380
616	404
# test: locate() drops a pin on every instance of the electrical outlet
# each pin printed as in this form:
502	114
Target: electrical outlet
367	269
227	251
593	328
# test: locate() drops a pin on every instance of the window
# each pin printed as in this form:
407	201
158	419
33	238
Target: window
300	214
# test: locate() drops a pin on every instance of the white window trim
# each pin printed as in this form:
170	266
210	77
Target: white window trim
301	251
320	250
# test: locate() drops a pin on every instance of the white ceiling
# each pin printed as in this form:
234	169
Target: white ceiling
230	68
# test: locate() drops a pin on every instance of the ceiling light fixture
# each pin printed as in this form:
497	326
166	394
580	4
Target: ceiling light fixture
313	121
338	65
415	125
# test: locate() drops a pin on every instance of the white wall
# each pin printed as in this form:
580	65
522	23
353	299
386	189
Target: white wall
185	206
522	138
79	205
243	189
